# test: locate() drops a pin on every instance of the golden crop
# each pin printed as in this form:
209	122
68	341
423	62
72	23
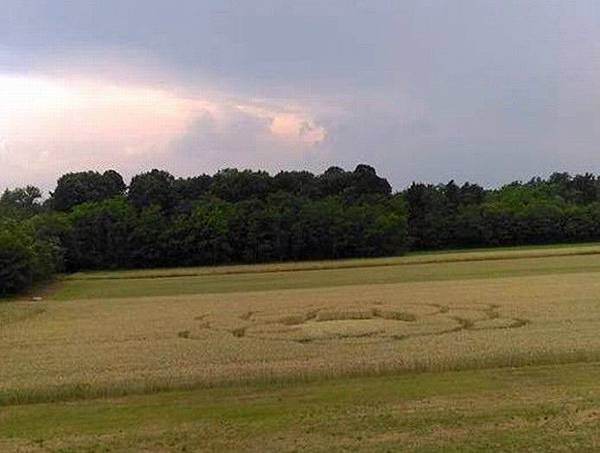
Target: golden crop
124	345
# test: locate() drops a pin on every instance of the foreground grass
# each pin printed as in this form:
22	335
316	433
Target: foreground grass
552	408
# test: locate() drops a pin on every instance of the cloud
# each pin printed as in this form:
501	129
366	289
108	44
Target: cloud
251	135
45	119
50	125
289	125
483	91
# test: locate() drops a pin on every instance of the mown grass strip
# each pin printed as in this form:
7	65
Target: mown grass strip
267	281
541	408
410	260
86	391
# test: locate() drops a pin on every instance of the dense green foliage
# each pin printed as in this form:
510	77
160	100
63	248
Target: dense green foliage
94	221
27	254
73	189
559	209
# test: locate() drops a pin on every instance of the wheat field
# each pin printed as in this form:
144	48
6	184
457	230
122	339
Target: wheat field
353	321
471	351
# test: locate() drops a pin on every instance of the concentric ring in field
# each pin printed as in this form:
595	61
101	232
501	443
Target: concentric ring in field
368	323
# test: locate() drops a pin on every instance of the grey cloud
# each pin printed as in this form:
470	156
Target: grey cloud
423	89
242	140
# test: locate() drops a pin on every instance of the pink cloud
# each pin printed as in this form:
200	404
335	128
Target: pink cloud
50	125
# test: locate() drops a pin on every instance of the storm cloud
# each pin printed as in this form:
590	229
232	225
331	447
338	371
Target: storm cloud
423	90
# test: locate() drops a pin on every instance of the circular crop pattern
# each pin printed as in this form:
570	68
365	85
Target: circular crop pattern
373	322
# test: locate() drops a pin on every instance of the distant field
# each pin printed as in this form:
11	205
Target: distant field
416	268
408	325
529	251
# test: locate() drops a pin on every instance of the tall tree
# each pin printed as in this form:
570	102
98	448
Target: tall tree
234	185
21	202
74	189
156	187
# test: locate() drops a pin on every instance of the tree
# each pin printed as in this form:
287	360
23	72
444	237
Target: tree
16	259
233	185
301	183
156	187
21	202
147	239
427	216
114	183
74	189
205	235
25	258
100	238
585	189
365	181
471	194
194	188
334	181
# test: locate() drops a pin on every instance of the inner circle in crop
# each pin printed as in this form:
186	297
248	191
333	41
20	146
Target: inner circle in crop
347	325
369	323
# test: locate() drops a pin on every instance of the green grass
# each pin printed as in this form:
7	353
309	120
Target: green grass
487	265
422	257
537	408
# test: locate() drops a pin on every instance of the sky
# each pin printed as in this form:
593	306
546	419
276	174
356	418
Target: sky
479	90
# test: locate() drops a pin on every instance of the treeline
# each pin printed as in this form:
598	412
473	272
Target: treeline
561	208
95	221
